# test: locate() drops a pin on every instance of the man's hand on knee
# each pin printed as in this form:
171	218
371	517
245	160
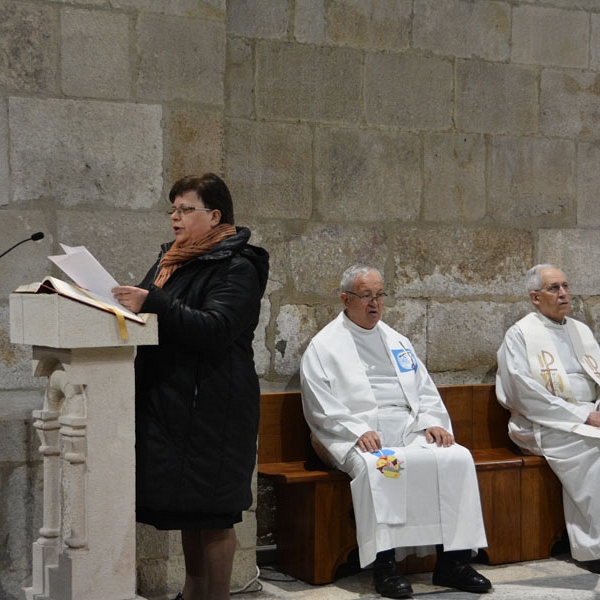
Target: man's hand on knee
593	419
440	436
369	442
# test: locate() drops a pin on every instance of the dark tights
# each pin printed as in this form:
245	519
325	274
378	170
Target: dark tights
208	558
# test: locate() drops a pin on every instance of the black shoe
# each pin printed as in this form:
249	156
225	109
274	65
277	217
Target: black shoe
389	582
460	575
179	596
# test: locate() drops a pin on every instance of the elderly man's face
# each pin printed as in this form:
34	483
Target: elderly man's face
553	299
363	304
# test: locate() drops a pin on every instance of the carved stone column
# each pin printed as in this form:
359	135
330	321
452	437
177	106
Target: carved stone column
86	546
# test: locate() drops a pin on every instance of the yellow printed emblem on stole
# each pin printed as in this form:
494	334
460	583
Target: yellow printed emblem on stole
389	466
550	376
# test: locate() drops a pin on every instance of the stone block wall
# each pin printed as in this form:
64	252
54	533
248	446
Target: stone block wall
451	143
21	489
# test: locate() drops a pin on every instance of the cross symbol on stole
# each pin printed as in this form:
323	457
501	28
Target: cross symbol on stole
592	364
546	360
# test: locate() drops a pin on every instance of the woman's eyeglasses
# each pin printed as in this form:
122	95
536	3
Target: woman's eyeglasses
185	210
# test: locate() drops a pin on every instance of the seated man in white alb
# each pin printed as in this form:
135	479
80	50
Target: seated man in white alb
549	379
375	413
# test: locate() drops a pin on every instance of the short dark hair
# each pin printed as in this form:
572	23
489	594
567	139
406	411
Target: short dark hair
211	189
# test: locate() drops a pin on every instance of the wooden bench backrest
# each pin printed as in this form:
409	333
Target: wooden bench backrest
283	434
479	422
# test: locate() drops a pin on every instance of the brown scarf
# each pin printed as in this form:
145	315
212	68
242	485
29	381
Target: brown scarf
176	256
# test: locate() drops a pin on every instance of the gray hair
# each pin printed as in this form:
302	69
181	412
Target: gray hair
533	277
351	274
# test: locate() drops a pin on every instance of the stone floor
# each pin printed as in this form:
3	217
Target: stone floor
556	578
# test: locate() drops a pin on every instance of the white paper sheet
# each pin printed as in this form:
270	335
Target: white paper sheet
81	266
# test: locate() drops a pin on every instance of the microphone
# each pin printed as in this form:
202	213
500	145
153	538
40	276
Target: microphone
35	237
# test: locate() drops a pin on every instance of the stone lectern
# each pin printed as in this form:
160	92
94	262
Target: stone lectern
86	547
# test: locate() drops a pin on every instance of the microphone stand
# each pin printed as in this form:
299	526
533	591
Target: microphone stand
36	236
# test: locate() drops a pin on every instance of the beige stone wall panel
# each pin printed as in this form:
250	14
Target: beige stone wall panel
496	98
595	41
15	363
269	169
203	9
95	54
309	21
454	177
463	28
549	36
307	83
592	315
262	355
4	170
153	543
84	152
28	48
532	180
376	24
126	257
588	184
160	564
576	252
239	79
466	335
367	175
322	253
572	4
409	317
21	487
408	91
86	3
257	18
27	262
244	567
459	262
275	237
181	59
196	141
295	326
570	104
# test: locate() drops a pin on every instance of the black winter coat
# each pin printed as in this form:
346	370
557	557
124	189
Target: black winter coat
197	392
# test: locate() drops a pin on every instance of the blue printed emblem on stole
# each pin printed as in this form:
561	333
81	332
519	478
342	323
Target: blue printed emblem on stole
405	359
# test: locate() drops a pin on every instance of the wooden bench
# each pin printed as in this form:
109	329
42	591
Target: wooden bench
521	497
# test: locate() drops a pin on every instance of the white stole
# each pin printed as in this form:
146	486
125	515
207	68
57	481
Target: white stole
388	481
405	364
547	368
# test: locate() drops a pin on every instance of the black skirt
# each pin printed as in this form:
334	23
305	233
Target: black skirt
186	521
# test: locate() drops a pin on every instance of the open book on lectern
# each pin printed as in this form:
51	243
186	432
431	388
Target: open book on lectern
92	282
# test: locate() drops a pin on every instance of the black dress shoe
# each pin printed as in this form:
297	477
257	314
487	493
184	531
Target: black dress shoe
389	582
460	575
179	596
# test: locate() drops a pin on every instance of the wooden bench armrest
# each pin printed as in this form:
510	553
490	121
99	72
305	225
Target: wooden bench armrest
496	458
296	472
533	461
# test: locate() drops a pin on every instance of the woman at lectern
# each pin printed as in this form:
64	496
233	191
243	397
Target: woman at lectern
197	392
